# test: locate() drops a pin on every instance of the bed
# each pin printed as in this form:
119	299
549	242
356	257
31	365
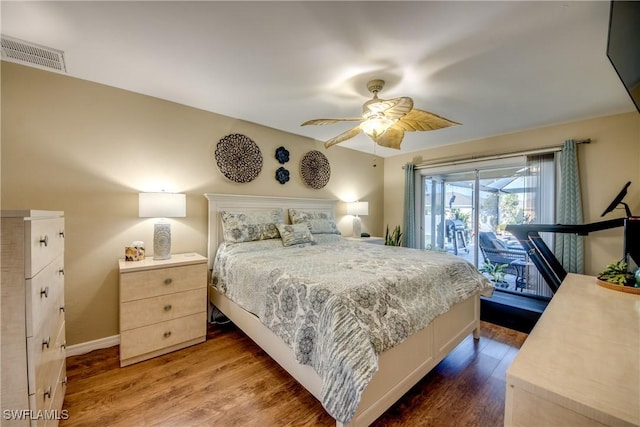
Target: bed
347	320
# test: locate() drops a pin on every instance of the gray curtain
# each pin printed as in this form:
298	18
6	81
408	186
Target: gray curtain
409	217
569	247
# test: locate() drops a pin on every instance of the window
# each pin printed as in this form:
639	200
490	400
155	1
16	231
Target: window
466	207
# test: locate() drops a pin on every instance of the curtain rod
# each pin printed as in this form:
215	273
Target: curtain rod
472	159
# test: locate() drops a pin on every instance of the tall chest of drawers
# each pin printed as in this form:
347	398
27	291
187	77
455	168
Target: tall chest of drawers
33	318
163	306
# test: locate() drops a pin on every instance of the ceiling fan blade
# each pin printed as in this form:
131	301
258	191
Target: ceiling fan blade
391	138
322	122
418	120
342	137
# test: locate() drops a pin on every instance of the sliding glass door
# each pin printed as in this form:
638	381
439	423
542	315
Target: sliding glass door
466	208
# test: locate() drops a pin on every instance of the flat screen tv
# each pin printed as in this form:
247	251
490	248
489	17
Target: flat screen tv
623	46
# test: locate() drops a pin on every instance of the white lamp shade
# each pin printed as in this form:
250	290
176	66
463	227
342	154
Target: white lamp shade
358	208
162	205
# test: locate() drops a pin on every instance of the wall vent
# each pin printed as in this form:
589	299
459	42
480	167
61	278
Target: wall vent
27	53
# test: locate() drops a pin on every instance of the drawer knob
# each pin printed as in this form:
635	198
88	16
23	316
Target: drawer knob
46	342
62	308
44	292
167	307
44	241
61	234
64	344
64	380
47	392
168	281
61	271
167	334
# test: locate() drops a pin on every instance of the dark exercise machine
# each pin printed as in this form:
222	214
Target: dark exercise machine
545	260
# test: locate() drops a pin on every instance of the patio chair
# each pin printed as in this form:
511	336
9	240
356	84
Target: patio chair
496	251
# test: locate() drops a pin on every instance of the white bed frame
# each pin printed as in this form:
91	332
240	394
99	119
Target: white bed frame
399	368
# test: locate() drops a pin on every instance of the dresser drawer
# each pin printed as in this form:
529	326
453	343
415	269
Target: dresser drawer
56	401
135	342
162	281
44	346
45	295
45	350
45	242
143	312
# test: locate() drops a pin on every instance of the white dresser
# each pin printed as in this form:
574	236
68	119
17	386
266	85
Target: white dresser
33	325
163	305
580	366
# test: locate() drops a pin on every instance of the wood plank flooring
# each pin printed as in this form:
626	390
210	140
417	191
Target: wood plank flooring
230	381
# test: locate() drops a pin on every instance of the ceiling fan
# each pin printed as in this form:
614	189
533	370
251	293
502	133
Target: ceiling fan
386	120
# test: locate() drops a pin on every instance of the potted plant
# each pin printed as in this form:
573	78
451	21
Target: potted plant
495	272
616	273
393	239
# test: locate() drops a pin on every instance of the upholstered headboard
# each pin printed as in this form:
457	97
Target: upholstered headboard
239	203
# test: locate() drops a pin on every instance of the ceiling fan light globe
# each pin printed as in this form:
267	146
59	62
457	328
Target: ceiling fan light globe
374	106
376	125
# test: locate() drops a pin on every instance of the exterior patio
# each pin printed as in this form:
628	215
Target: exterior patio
525	281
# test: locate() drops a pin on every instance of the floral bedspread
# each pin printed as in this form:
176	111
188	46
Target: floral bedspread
339	304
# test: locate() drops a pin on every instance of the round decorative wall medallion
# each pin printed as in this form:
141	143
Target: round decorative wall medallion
315	169
238	158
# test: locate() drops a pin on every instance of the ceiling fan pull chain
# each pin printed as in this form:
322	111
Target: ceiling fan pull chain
375	159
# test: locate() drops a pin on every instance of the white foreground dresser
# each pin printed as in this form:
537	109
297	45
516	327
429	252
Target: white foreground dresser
33	325
580	366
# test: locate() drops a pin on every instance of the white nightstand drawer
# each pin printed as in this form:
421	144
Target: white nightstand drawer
162	281
143	312
135	342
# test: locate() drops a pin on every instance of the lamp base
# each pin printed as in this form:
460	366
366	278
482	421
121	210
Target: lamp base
162	241
357	226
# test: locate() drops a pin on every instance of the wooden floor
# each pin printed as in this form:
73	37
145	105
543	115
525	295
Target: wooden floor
230	381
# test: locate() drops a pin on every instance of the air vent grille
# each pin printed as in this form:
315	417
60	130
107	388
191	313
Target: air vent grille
28	53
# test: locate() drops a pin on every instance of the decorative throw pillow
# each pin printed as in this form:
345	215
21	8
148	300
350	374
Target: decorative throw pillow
318	221
295	234
253	225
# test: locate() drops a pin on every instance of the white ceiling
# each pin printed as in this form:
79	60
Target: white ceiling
495	67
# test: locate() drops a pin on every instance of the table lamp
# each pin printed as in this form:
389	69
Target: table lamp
356	209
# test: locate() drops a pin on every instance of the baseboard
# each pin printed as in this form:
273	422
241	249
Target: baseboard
86	347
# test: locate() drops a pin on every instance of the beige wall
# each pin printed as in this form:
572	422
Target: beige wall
88	149
605	165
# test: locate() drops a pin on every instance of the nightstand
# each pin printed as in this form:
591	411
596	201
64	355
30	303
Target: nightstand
163	305
372	239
